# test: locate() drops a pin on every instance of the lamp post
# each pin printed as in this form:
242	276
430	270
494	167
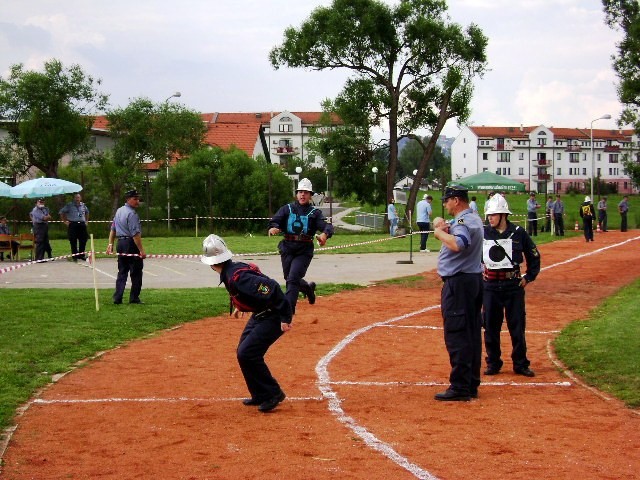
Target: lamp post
298	172
176	94
603	117
375	198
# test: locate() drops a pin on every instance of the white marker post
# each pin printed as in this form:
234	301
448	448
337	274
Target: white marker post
92	262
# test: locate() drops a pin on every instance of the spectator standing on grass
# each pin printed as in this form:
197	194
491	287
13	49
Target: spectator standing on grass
460	267
392	214
532	215
623	208
548	213
127	229
558	216
602	214
473	205
299	221
423	220
252	291
40	220
505	247
588	214
75	216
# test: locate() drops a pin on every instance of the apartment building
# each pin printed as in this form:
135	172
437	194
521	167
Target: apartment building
546	159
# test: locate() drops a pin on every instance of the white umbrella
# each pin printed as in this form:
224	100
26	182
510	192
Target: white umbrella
44	187
5	190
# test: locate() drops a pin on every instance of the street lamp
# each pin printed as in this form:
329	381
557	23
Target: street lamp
603	117
298	172
375	197
176	94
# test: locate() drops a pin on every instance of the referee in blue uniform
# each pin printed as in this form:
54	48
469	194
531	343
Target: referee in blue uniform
460	267
128	231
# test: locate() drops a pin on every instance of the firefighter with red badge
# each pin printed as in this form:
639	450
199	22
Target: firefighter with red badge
252	291
505	247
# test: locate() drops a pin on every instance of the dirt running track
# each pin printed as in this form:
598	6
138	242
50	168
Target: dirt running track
360	370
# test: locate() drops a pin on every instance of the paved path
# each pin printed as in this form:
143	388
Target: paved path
361	269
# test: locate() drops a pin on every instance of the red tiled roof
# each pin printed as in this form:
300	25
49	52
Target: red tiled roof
243	135
559	133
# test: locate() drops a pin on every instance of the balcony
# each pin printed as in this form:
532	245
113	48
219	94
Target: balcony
612	148
573	148
543	162
502	148
285	150
544	176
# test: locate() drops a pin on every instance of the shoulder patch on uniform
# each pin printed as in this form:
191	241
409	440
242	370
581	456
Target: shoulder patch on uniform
535	252
461	221
264	289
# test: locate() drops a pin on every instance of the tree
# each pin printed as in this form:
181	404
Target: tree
411	67
146	130
48	114
624	15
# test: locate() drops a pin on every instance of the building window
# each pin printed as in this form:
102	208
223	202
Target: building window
504	156
286	127
598	157
584	157
521	155
521	171
584	172
559	156
613	158
559	171
542	142
485	156
573	158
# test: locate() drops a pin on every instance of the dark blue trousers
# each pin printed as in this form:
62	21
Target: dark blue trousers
128	266
296	258
260	332
505	299
461	304
424	226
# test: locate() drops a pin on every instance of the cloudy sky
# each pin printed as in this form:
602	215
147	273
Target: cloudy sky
549	60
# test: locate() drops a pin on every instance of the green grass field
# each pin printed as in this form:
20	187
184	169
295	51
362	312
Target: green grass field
47	334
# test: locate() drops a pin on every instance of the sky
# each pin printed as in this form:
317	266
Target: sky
549	60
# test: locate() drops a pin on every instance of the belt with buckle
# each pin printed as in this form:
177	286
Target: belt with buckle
298	238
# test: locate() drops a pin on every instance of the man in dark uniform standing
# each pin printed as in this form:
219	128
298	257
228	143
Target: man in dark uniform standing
126	227
40	219
252	291
460	267
588	214
299	221
505	246
75	216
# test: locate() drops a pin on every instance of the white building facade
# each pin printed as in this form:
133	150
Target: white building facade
546	159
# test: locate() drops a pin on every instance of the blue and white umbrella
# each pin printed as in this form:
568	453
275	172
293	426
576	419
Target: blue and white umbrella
5	190
44	187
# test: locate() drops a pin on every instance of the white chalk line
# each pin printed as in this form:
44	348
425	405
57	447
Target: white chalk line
324	381
431	327
63	401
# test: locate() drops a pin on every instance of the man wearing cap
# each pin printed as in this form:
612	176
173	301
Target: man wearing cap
299	221
75	216
40	219
460	267
532	215
557	208
505	247
252	291
602	214
588	213
423	220
128	231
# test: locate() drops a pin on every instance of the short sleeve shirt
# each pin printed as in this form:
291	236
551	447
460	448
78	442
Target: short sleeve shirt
126	222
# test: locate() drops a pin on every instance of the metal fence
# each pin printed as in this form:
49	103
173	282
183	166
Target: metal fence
371	220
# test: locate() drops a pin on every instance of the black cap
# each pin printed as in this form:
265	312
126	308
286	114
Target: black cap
131	194
456	191
41	200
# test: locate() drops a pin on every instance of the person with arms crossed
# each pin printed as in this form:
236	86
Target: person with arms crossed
505	246
423	220
299	221
75	216
460	267
252	291
128	230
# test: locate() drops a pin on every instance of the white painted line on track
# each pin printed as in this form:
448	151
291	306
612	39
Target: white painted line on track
446	384
41	401
584	255
431	327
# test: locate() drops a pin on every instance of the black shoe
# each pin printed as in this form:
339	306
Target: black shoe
250	402
492	371
117	302
527	372
136	302
312	293
272	403
452	396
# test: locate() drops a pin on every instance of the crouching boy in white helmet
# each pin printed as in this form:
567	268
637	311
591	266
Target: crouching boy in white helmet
505	247
252	291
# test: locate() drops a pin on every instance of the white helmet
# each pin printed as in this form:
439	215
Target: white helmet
497	204
305	184
214	250
587	198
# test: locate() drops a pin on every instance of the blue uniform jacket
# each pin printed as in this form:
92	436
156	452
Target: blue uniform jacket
523	247
251	290
313	218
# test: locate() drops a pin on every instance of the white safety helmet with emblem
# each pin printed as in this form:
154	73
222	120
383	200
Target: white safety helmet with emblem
305	184
497	204
214	250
